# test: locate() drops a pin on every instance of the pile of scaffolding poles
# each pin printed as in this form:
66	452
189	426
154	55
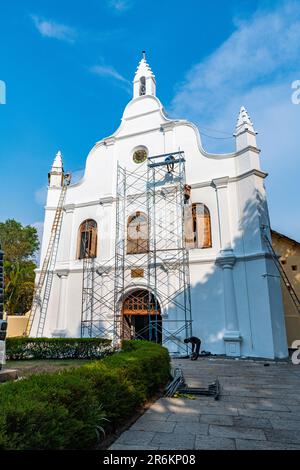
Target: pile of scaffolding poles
178	384
173	386
214	390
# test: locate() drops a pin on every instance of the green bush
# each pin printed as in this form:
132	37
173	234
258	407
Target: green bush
19	348
65	410
48	411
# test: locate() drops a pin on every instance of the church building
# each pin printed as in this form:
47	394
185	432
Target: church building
161	240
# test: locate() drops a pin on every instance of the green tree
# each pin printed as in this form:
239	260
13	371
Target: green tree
20	244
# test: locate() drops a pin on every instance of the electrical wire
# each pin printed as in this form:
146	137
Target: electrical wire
217	138
215	130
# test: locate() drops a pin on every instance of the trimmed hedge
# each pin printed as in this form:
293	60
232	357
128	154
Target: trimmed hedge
65	410
20	348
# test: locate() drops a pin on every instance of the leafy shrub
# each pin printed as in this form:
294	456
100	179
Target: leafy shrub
56	348
49	411
64	410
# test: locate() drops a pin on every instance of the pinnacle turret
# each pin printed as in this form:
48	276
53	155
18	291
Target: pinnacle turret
244	132
57	163
144	80
55	177
244	122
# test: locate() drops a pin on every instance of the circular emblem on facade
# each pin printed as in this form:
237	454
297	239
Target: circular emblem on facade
139	156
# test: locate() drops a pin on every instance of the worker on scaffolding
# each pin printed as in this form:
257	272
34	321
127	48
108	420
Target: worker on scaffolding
196	344
187	193
170	163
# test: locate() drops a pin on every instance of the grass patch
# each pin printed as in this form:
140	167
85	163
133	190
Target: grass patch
29	367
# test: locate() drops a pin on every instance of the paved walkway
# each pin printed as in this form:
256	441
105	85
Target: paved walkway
259	409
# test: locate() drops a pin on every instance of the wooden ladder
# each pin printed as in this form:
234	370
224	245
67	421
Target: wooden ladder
283	274
42	289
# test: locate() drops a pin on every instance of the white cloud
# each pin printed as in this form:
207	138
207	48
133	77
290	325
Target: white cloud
77	176
120	5
40	228
254	67
51	29
260	50
41	195
109	71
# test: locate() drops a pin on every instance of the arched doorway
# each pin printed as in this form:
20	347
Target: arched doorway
142	316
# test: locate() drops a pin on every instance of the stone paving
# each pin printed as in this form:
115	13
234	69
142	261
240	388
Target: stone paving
259	408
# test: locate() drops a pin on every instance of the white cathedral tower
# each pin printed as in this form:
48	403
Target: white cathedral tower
197	227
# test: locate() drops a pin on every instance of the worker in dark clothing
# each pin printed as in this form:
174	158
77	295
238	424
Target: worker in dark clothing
170	165
187	193
196	344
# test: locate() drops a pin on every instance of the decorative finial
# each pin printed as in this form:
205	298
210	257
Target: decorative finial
144	55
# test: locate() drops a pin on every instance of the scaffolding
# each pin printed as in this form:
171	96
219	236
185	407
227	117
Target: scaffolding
168	258
97	313
143	291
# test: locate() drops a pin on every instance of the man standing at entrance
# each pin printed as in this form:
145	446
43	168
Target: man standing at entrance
196	344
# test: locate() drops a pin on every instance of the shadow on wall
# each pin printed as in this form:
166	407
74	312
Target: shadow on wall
257	291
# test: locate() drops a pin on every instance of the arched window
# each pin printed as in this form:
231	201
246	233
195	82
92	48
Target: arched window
87	243
137	233
142	86
197	226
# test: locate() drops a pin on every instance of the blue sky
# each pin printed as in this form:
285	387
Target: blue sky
68	67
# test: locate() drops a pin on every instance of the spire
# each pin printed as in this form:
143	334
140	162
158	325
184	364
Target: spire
143	69
244	132
57	163
144	80
244	122
55	177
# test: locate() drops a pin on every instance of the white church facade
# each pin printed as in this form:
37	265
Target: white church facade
234	297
